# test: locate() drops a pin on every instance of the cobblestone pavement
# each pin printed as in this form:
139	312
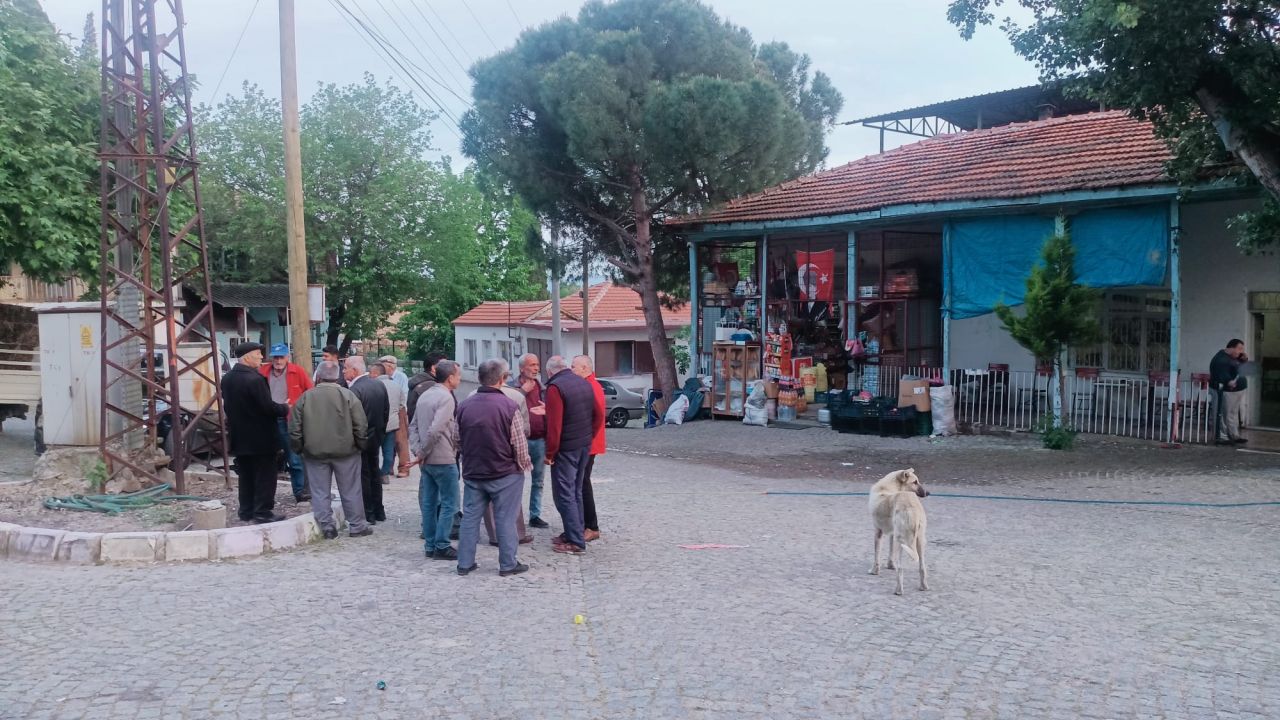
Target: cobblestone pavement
1037	610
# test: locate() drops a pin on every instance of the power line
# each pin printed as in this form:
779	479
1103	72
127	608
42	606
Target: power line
419	45
480	25
444	24
450	124
386	42
514	15
234	50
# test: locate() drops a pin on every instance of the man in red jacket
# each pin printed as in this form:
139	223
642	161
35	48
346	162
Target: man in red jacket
584	368
288	381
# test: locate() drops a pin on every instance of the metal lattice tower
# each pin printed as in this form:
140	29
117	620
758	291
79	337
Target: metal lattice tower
152	247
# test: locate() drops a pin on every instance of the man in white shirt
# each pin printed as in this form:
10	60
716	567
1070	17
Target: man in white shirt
396	418
396	375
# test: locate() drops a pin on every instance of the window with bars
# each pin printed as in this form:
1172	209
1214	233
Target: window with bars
1135	332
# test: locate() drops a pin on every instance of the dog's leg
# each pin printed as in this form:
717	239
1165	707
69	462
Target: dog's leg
924	574
898	589
893	556
875	554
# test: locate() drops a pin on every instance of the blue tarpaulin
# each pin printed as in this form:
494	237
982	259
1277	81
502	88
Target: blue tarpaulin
990	258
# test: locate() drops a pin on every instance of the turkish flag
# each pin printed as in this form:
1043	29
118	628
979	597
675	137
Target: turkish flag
815	274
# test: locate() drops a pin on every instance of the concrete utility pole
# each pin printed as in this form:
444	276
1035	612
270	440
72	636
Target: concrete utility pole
299	308
555	290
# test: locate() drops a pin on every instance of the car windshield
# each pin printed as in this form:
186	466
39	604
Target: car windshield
607	386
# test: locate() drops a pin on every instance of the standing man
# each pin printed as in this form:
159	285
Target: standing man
495	456
422	382
396	419
531	385
571	411
584	368
288	381
330	354
254	434
373	399
433	438
391	362
328	428
1229	385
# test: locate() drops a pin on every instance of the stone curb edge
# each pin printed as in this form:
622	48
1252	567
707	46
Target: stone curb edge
41	545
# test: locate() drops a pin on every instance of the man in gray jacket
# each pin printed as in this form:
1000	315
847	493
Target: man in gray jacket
433	439
329	430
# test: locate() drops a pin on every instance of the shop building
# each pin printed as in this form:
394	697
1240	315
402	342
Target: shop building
891	265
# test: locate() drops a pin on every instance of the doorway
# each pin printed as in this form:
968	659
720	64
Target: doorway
1264	313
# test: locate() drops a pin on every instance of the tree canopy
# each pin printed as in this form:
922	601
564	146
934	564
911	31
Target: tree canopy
386	228
638	109
49	213
1207	72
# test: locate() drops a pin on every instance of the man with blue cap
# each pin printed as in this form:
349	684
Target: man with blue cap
288	381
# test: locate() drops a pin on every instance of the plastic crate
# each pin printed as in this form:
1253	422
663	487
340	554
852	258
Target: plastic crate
899	422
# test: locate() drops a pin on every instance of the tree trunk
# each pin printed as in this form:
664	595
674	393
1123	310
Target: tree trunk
664	362
1260	154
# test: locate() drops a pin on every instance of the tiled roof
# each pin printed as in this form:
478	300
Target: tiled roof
1077	152
611	306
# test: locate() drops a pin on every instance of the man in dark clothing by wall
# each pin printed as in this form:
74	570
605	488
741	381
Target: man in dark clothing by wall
377	407
571	419
253	438
495	455
422	382
1229	385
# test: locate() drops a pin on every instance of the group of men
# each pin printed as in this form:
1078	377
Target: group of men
347	424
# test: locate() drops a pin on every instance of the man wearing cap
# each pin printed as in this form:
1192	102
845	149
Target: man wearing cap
287	382
329	354
253	433
397	376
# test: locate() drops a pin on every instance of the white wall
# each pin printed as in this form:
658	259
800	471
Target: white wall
480	334
1216	281
978	342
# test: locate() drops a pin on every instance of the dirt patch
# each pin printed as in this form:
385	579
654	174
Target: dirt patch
22	504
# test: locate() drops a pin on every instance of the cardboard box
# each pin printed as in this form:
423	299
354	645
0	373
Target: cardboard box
914	393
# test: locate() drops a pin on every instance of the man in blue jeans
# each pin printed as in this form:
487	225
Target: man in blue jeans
433	439
288	381
530	384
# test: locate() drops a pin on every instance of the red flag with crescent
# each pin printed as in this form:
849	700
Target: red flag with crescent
815	274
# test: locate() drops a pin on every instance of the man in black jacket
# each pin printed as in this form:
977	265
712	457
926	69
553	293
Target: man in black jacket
377	409
1229	385
254	436
422	382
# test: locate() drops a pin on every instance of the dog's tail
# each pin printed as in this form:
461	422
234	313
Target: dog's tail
910	551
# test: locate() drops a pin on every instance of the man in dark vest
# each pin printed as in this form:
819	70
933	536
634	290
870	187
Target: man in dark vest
377	407
495	456
571	421
1229	385
254	439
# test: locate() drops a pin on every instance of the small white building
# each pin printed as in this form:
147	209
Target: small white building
616	333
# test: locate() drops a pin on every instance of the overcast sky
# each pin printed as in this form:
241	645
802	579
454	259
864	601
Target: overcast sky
881	55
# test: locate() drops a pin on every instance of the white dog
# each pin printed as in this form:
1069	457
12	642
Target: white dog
896	510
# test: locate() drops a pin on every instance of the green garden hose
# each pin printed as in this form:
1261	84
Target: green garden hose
116	504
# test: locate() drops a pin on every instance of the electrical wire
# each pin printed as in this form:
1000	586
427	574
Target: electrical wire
450	124
395	52
480	25
443	43
444	24
234	50
417	46
514	15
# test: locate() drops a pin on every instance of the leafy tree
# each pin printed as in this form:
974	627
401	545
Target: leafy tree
476	251
1207	72
49	212
1058	313
638	110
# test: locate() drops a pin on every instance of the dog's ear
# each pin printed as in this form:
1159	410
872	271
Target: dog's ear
911	471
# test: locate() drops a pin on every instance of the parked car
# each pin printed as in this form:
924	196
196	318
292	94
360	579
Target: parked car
620	404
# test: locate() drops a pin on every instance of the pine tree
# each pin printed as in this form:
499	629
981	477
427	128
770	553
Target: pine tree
1058	312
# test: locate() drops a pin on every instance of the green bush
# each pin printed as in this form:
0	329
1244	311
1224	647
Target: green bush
1055	437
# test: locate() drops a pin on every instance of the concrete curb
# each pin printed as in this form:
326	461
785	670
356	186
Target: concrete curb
39	545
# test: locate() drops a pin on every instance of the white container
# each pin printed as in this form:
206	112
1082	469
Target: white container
824	416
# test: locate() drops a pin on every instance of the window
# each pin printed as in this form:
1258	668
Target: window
487	347
607	387
1135	333
504	351
626	358
469	353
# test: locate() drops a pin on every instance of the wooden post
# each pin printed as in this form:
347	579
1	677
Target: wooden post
299	306
586	302
555	290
